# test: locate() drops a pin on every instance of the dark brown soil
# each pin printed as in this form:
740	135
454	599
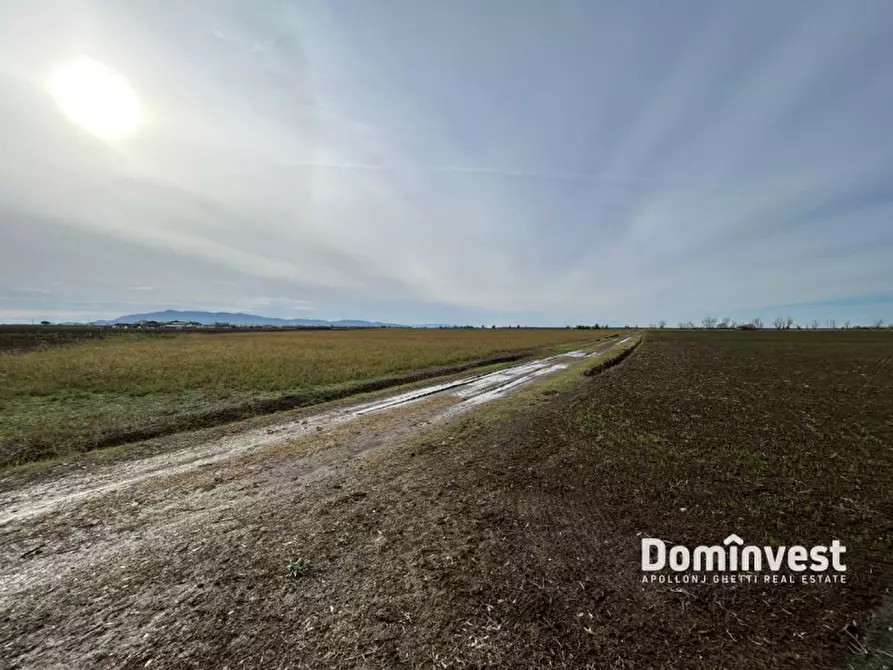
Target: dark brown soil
19	339
513	540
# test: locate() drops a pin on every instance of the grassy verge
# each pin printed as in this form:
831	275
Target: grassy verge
128	389
564	380
615	356
15	475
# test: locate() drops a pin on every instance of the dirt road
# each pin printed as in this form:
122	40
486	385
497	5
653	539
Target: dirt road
84	535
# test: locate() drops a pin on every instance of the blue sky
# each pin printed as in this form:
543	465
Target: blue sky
461	161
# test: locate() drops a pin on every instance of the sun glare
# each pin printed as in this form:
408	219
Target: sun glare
96	98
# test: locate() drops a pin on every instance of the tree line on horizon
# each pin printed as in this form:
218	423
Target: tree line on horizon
779	323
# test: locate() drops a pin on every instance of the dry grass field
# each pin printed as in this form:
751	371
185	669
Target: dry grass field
59	400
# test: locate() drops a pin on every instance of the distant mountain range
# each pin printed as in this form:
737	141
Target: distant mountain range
239	319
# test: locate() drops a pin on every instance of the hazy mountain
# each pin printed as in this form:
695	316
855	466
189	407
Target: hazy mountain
237	319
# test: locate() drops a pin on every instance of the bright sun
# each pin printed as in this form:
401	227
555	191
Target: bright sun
96	98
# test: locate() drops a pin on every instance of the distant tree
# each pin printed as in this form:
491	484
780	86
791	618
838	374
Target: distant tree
778	322
709	322
45	323
788	322
879	323
662	324
832	324
724	323
846	324
814	325
757	322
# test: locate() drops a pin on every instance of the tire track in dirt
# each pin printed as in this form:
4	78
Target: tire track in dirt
45	497
94	530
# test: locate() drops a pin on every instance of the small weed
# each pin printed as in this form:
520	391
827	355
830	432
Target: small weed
300	567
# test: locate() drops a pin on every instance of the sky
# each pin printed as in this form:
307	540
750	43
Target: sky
415	161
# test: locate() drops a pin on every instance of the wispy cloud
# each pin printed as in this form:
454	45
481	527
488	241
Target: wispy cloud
29	290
